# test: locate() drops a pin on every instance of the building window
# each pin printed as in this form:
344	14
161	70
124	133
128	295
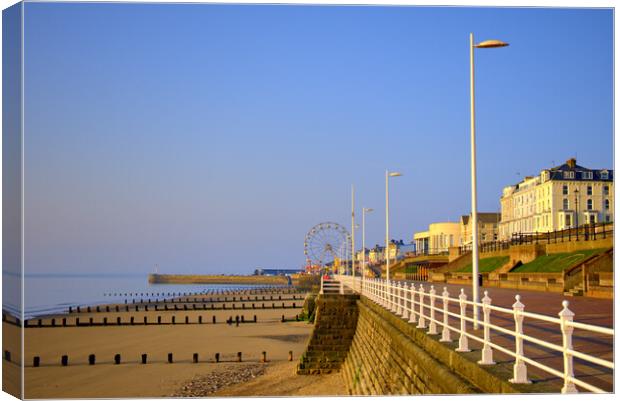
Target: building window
565	190
606	190
589	203
606	204
589	189
565	204
604	175
569	175
567	220
586	175
607	218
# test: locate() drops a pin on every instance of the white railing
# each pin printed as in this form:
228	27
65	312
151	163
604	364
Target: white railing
420	306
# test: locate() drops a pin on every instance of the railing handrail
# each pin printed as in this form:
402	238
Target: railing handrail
420	305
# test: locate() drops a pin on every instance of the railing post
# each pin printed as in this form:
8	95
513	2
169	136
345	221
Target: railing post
405	313
397	297
421	320
566	316
341	288
321	292
412	318
393	298
487	351
432	326
445	331
385	294
463	340
520	369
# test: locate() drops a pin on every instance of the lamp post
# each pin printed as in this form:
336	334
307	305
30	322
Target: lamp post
352	230
474	210
364	211
387	222
576	192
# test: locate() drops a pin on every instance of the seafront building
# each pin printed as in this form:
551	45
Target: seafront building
438	238
488	227
558	198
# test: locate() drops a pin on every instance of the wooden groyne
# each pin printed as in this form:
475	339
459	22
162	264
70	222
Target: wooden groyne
215	279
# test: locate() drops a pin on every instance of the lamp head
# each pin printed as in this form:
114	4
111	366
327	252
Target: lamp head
487	44
368	209
395	174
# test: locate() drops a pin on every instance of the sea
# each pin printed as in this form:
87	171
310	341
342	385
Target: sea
47	294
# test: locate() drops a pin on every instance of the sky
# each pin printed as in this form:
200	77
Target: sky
211	138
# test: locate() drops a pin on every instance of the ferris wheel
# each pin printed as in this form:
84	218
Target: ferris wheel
326	243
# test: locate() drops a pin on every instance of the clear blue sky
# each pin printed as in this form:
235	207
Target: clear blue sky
210	138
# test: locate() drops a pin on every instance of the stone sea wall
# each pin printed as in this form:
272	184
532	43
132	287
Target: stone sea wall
389	356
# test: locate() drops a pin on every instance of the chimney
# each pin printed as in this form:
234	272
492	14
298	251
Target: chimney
572	162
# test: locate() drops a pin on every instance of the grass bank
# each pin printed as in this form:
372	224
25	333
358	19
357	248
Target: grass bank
556	262
487	264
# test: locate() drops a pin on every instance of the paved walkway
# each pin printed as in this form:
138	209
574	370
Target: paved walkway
587	310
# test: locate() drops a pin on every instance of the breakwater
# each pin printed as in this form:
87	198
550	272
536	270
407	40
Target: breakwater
215	279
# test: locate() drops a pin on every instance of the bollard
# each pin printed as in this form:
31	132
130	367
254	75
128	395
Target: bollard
195	358
186	319
4	316
36	361
126	308
463	343
77	321
237	320
282	318
117	308
7	356
263	358
78	309
253	306
239	356
566	316
117	359
91	359
158	319
107	308
173	320
118	320
105	321
53	322
64	360
146	308
487	351
445	332
145	320
290	356
214	320
242	319
131	320
254	318
199	319
88	309
90	321
144	359
217	357
519	369
170	358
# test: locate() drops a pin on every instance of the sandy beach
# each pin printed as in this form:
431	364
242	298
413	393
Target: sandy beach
158	377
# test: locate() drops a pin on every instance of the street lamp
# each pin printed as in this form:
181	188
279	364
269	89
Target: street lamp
576	192
364	211
352	230
487	44
387	222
